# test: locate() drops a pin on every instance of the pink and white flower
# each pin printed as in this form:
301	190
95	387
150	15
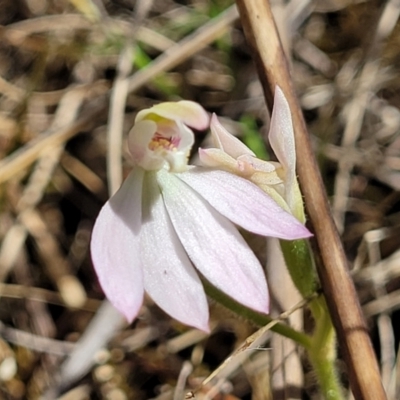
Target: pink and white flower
169	219
277	179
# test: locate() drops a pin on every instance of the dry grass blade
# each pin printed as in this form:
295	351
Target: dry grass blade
34	342
29	219
31	196
18	161
42	295
104	325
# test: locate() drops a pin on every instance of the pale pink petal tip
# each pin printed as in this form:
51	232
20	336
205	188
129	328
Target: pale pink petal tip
130	315
262	307
301	232
200	325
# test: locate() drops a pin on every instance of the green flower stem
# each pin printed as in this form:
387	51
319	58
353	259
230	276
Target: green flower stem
300	264
255	317
322	352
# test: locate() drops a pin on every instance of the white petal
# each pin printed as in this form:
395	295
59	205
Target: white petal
189	112
281	138
186	137
281	134
169	277
115	247
214	244
244	203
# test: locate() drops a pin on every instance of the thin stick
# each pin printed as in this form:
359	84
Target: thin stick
338	287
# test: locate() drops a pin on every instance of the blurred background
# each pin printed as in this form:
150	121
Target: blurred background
73	75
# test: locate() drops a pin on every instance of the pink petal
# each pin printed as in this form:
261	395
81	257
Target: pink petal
189	112
244	203
214	244
227	142
115	247
169	276
281	138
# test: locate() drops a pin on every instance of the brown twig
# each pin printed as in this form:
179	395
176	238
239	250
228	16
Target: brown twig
261	32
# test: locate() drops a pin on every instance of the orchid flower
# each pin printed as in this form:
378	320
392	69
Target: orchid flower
277	179
170	219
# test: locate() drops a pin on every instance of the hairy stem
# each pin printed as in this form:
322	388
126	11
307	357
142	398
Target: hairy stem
255	317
